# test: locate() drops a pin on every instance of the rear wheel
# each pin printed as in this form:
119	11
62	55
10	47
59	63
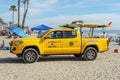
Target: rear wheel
90	53
30	55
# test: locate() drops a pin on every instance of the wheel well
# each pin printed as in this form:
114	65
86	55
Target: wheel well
35	47
94	46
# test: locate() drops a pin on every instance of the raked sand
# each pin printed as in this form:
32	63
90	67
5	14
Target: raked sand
105	67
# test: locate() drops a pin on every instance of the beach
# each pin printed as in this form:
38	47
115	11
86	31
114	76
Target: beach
61	67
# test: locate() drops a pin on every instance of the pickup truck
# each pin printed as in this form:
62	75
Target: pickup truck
59	41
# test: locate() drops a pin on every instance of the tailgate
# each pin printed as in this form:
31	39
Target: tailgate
104	44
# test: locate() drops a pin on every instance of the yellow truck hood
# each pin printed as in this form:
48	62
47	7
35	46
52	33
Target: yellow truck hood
28	40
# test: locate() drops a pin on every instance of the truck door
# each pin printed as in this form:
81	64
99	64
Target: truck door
71	42
53	44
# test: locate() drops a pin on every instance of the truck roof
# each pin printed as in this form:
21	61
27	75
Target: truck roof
61	29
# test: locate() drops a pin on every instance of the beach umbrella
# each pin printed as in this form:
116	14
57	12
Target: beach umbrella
18	31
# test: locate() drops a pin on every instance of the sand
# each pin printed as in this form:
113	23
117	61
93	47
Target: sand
63	67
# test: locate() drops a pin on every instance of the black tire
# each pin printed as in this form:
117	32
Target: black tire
90	53
78	55
30	55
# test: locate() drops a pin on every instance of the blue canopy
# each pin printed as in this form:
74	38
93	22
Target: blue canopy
41	27
18	31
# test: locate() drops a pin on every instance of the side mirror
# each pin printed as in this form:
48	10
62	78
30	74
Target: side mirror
46	37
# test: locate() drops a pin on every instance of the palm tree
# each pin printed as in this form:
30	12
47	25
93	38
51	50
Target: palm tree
26	6
18	13
1	20
3	23
10	23
13	9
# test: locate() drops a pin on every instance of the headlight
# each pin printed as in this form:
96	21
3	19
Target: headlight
18	43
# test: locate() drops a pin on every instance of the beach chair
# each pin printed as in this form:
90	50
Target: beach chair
2	46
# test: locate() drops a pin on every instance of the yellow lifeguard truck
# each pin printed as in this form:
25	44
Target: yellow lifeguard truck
59	41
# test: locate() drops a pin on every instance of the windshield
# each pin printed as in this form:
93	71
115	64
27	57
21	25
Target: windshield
40	35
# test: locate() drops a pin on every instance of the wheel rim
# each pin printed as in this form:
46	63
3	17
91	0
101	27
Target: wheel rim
91	54
30	56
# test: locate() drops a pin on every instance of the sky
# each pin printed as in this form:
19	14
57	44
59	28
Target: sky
56	12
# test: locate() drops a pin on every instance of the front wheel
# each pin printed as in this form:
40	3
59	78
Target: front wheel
90	53
30	55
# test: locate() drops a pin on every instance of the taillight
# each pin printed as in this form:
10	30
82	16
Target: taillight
108	42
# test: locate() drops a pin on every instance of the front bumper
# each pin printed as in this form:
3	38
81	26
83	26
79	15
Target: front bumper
12	49
15	50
